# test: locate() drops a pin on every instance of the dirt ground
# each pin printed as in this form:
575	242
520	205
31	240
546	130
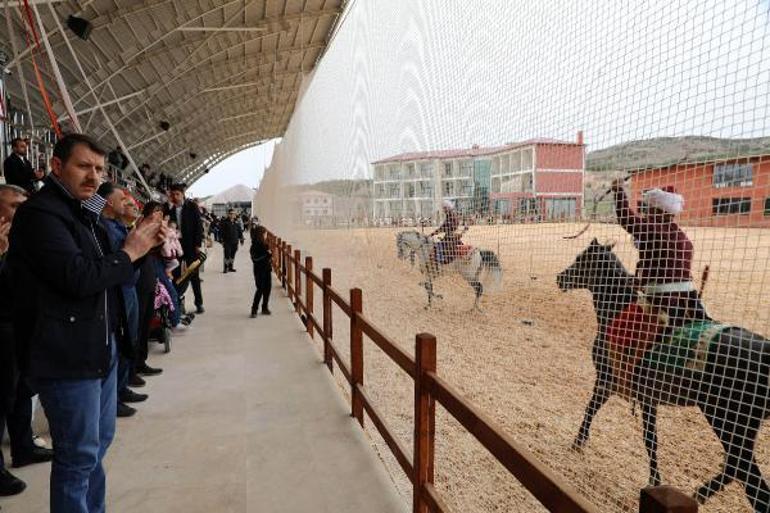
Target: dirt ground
525	361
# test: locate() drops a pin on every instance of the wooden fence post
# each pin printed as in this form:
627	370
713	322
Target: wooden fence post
328	327
283	264
424	419
297	282
289	273
309	284
666	499
356	355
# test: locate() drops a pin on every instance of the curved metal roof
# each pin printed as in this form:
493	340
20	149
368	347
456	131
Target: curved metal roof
224	74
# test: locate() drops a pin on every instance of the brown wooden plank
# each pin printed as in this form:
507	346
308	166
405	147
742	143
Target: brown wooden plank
666	499
316	279
314	321
548	488
341	364
309	326
297	282
387	345
328	330
433	499
340	301
356	354
424	419
398	450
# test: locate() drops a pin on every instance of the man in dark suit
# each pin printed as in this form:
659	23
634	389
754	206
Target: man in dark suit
17	169
187	216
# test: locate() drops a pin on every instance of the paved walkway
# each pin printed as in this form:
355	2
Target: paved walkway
244	418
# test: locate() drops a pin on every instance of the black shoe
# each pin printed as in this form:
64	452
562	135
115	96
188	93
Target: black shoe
253	313
10	484
146	370
233	270
35	455
199	309
125	410
226	271
136	381
265	311
129	396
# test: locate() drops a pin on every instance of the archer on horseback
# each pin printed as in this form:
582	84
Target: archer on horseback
664	269
446	249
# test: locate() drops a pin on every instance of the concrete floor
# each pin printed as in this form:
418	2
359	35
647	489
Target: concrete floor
244	418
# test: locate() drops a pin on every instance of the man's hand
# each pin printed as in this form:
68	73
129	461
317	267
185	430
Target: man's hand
5	228
148	233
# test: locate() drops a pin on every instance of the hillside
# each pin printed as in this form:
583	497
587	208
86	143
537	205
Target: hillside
661	151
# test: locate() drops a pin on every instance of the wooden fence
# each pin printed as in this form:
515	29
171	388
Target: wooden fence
549	489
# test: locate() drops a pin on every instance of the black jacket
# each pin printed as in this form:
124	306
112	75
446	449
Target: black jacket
66	280
18	171
230	232
192	227
260	254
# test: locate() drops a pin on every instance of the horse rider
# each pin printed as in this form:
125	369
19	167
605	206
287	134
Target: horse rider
664	269
446	248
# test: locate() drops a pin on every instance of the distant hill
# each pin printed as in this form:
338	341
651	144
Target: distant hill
661	151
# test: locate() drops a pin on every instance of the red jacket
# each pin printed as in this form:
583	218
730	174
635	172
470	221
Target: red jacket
665	252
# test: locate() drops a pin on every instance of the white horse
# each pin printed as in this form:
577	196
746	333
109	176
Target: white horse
471	265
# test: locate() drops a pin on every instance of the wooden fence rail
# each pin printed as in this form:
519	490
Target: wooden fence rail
548	488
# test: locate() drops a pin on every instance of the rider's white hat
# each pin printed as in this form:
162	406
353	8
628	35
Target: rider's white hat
447	204
664	199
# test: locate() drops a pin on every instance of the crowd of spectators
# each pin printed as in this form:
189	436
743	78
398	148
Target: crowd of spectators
89	269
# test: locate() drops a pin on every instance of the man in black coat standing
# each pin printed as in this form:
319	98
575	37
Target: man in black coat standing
67	315
232	234
17	169
187	216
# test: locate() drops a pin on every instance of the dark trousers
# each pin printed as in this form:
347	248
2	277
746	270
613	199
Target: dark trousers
230	250
19	422
195	280
264	284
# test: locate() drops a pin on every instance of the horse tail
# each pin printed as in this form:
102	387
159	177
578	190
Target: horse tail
491	263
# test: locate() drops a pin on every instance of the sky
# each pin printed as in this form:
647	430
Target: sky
245	167
411	76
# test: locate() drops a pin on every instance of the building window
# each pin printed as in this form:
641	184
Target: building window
447	169
767	206
448	189
733	175
426	170
724	206
527	159
466	168
410	172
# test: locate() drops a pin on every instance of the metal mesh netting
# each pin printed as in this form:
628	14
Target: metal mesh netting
554	298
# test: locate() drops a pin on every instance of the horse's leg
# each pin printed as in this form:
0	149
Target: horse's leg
715	417
599	397
738	434
649	422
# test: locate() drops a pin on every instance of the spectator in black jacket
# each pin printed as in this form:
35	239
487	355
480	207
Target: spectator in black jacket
261	258
187	216
67	315
15	392
231	233
17	168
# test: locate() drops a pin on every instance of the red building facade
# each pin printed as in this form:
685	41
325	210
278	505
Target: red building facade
547	186
725	192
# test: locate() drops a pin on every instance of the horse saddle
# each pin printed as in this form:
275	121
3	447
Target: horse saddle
462	250
629	336
635	334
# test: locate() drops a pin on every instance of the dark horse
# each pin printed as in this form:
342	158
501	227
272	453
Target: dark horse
731	390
